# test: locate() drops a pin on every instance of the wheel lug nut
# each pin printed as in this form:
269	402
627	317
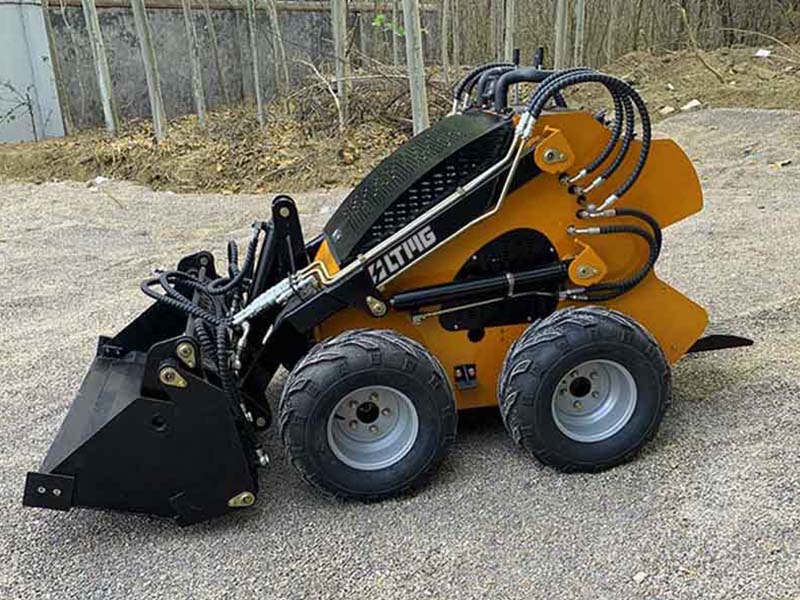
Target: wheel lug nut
595	394
353	404
373	397
573	374
593	375
562	391
373	429
353	424
386	411
577	404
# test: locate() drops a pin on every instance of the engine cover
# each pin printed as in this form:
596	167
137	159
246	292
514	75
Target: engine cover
418	175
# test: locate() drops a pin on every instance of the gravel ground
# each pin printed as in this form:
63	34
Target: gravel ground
710	509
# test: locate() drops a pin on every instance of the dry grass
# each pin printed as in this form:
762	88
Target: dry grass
301	147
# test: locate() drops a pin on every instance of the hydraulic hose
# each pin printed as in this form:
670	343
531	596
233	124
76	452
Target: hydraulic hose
219	348
489	75
547	89
643	216
630	123
469	80
509	78
204	337
612	289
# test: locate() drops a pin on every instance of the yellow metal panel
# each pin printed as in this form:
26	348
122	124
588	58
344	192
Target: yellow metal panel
668	189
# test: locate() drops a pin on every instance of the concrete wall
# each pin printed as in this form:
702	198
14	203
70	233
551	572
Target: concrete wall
306	34
29	107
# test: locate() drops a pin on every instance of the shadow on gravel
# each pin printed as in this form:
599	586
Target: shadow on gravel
480	421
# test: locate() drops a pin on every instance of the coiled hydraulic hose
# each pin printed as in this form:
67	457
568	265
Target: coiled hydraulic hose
522	75
204	337
489	76
470	79
220	316
550	82
629	116
612	289
558	83
643	216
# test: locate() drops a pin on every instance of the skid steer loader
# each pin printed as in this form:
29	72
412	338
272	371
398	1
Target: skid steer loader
504	256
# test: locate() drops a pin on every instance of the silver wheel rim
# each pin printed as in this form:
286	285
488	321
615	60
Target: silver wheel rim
594	400
372	428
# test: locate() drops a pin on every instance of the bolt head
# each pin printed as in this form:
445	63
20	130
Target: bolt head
577	404
353	424
386	411
593	375
284	211
353	404
168	376
373	429
573	374
261	421
595	394
41	489
56	492
373	397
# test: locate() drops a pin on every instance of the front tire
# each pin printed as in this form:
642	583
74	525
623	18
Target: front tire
367	415
584	389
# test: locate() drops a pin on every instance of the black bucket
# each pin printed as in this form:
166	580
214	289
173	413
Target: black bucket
148	432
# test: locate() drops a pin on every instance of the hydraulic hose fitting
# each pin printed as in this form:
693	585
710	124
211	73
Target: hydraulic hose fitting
594	184
583	173
572	294
576	190
454	108
240	346
608	202
525	126
572	230
595	214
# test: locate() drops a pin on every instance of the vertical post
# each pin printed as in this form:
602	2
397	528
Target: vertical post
510	28
278	49
395	34
150	69
362	39
251	30
610	45
416	65
101	66
456	27
194	57
497	18
578	56
63	103
212	33
341	58
560	54
242	44
637	24
444	37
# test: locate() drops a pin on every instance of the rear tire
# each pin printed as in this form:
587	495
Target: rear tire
584	389
367	415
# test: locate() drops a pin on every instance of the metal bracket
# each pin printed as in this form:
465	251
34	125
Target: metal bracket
47	490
